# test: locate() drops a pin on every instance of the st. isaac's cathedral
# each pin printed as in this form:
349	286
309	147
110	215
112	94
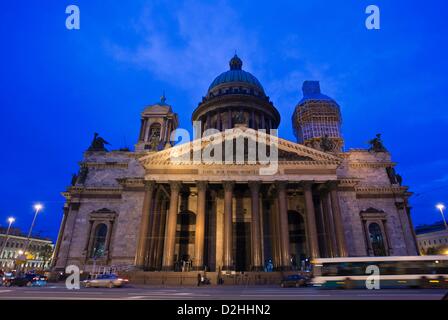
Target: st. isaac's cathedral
143	210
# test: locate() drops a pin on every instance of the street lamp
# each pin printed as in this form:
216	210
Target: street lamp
441	207
10	222
37	208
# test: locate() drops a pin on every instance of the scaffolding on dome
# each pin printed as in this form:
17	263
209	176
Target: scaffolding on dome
315	119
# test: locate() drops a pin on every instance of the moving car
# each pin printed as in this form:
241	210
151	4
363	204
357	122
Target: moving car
294	280
105	280
29	280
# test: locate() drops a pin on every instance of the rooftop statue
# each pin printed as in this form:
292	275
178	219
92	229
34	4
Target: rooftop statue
74	179
376	144
98	144
326	144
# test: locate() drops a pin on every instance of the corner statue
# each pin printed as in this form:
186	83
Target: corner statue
326	144
376	144
98	144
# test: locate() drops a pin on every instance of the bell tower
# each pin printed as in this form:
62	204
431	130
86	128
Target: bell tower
157	123
317	120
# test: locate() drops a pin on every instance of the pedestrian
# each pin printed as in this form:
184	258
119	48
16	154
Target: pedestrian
199	279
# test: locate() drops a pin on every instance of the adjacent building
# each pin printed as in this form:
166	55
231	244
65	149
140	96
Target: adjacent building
432	239
38	251
162	207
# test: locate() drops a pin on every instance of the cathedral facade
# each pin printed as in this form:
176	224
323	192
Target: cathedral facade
160	208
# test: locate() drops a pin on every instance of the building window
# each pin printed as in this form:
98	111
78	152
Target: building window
377	239
375	232
99	241
154	135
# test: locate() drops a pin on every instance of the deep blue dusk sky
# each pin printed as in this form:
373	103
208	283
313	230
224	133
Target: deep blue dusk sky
57	86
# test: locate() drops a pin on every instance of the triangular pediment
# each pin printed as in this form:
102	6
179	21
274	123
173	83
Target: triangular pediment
193	152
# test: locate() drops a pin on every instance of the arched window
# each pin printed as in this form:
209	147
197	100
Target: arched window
99	241
377	239
154	135
154	131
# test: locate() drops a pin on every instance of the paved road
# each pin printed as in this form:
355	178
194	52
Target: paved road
59	292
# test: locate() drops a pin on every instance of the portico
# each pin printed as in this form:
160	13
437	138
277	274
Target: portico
229	217
240	226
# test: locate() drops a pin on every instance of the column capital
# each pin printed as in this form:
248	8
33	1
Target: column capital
254	186
149	185
228	185
175	186
333	185
281	185
307	185
201	185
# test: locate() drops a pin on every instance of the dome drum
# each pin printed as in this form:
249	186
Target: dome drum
236	97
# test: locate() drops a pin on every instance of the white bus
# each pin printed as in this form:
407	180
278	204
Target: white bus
394	272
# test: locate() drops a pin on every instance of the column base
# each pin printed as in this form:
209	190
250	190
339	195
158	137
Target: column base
198	268
257	269
151	269
228	268
168	268
141	268
283	268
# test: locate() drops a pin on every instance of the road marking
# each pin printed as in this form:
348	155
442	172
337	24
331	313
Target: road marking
57	298
398	295
63	292
157	297
286	295
171	294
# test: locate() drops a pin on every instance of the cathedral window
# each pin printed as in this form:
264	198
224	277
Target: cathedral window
100	230
154	131
377	240
99	241
154	135
374	222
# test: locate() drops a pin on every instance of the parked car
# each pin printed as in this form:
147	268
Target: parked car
29	280
294	280
7	278
2	274
106	280
39	281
